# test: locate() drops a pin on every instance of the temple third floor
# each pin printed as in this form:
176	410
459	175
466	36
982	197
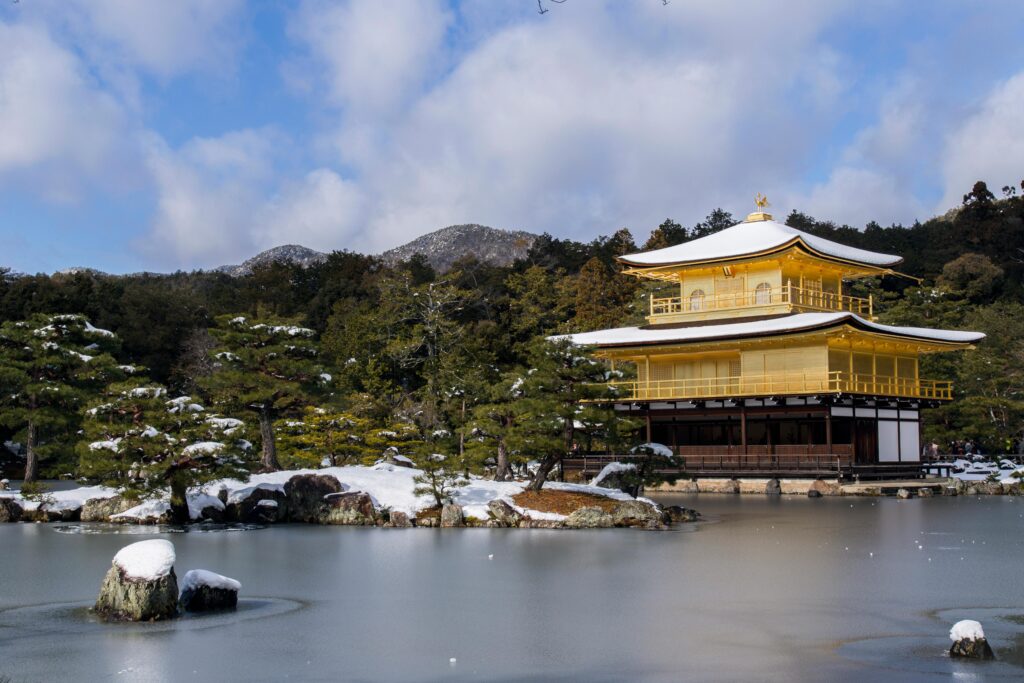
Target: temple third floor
756	268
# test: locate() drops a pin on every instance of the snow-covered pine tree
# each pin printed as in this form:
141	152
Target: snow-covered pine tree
268	368
493	422
142	442
554	407
324	434
49	364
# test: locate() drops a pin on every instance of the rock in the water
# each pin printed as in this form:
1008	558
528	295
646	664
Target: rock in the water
677	514
925	492
206	591
636	514
141	585
102	509
5	484
428	521
969	641
399	519
351	508
451	516
773	488
305	493
813	493
589	518
503	513
826	488
904	493
10	511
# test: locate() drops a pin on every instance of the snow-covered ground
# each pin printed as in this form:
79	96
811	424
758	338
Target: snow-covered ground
1005	471
389	486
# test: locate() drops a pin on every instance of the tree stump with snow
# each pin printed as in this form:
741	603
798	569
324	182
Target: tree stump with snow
969	641
141	585
206	591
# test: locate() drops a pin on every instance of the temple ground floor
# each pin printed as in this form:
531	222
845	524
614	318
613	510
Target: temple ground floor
847	438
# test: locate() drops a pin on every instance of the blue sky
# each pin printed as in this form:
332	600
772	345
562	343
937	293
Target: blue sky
155	135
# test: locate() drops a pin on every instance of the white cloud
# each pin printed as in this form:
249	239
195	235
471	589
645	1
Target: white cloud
164	38
376	54
582	127
988	146
856	196
60	130
222	199
321	211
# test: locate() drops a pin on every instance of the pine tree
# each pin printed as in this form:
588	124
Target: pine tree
142	443
268	368
48	366
494	421
339	437
439	477
555	407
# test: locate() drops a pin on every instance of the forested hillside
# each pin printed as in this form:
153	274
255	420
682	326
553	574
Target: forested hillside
401	355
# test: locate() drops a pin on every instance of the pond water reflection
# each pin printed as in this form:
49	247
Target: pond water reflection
837	589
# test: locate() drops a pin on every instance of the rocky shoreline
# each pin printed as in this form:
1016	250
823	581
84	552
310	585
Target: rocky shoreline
311	498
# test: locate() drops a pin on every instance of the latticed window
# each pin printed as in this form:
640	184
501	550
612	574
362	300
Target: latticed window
697	300
763	294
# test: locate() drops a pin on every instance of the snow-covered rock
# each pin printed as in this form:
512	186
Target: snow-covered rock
206	591
141	585
969	641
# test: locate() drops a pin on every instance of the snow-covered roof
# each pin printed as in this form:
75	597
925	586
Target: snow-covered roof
798	322
754	237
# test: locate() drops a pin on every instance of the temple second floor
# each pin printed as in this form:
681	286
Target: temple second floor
802	354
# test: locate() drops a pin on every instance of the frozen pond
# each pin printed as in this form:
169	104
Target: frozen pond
767	589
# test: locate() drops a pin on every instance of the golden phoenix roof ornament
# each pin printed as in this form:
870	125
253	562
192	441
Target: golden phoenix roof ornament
759	215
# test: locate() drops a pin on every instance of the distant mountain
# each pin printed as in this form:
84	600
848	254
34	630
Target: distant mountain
444	247
287	253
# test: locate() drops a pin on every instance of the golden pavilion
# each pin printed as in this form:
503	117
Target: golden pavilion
759	363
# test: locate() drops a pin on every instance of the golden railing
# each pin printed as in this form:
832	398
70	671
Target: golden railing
834	382
814	299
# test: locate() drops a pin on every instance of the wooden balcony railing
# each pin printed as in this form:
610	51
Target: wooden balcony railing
834	382
813	299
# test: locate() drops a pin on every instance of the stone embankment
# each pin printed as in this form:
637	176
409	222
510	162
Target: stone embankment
308	498
816	488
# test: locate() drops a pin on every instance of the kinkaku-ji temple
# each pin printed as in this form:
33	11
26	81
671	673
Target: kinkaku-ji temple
759	364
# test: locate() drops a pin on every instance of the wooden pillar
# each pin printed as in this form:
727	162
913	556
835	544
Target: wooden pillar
648	424
828	428
743	426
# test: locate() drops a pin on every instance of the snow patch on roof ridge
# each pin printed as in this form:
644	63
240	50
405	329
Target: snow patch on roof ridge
750	238
790	323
